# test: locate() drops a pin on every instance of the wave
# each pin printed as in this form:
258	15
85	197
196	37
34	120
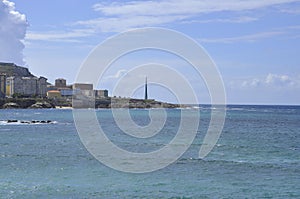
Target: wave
238	162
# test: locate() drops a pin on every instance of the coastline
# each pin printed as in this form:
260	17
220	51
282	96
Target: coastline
67	103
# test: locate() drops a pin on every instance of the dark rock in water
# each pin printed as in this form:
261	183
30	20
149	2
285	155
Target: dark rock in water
11	121
40	121
11	105
30	122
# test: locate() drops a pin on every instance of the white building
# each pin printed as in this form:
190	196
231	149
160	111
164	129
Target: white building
83	89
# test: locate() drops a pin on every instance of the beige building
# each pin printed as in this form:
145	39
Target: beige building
26	86
101	93
82	86
53	94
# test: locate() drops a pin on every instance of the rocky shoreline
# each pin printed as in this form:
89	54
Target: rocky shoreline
37	103
22	103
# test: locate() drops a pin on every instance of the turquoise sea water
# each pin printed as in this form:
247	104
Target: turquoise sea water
257	156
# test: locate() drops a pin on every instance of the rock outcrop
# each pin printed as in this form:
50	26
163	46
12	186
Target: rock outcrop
137	103
43	104
11	105
77	103
25	103
11	69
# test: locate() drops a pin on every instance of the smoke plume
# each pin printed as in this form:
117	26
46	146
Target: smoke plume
13	27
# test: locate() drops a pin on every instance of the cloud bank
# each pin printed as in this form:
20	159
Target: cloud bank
278	81
119	16
12	33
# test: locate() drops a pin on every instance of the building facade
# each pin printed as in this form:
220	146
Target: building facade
42	87
83	89
53	94
66	92
82	86
26	86
60	83
2	85
101	93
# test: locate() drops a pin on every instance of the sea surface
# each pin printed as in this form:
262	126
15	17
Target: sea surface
257	156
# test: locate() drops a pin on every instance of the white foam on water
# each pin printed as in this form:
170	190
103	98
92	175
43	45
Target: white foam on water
25	122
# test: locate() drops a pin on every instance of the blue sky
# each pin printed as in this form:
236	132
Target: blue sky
254	43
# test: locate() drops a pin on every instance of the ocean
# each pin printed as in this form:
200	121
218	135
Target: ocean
257	156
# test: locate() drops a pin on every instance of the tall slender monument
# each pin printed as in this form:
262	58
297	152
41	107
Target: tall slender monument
146	90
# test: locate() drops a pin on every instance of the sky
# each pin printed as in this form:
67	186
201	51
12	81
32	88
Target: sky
255	44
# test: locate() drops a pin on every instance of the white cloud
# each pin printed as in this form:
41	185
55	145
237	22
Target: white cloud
280	80
119	16
66	36
277	81
12	32
243	19
244	38
297	27
251	83
117	75
118	24
175	7
294	11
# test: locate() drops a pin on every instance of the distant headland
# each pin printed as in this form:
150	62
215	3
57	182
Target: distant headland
19	88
